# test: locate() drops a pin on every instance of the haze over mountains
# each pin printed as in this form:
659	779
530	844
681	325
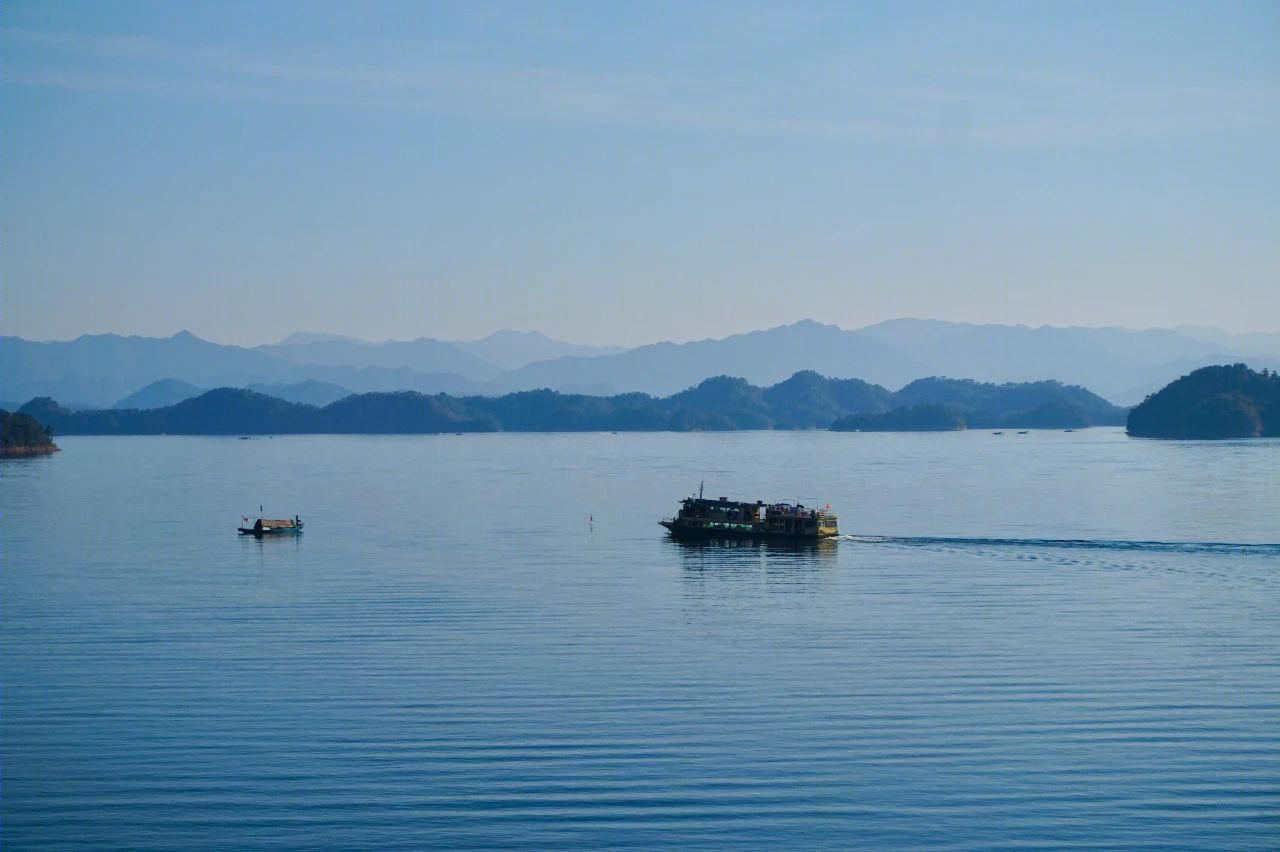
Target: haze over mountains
1121	365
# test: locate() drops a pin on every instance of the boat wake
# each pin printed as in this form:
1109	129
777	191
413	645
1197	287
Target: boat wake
1215	547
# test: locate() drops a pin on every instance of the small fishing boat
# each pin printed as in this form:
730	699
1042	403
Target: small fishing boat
272	526
701	517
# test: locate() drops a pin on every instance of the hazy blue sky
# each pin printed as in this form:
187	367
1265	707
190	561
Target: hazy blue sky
632	172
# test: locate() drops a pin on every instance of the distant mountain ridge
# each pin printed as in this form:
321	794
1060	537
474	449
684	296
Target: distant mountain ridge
423	355
98	370
160	394
511	350
1121	365
806	400
167	392
503	350
764	357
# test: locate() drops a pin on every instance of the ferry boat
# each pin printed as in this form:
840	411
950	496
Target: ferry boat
701	517
270	526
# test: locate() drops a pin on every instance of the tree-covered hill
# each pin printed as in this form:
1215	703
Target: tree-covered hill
1229	401
808	398
221	411
399	412
804	401
939	404
23	435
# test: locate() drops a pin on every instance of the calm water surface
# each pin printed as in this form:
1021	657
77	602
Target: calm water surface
1030	641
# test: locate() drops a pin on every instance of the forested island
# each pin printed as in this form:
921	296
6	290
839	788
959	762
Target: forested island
23	435
939	405
804	401
1230	401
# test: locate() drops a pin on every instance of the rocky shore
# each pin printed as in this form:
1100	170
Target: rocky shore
14	452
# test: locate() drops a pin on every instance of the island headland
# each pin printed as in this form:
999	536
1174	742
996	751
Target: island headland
1228	401
22	435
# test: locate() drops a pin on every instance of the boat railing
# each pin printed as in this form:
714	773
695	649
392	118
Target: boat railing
711	510
799	510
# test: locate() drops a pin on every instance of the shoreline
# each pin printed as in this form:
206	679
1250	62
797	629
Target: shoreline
29	452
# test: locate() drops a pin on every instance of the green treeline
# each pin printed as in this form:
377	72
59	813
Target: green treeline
940	405
804	401
23	435
1214	402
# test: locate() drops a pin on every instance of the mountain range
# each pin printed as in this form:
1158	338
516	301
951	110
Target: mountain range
107	370
806	400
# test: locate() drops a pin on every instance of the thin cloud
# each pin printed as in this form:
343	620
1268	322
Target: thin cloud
980	111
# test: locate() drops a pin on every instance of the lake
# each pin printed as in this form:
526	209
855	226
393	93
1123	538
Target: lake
1050	640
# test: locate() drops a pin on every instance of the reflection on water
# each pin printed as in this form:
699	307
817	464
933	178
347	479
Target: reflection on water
711	552
781	566
272	541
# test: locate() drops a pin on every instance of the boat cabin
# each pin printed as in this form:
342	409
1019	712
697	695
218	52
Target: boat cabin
725	517
272	526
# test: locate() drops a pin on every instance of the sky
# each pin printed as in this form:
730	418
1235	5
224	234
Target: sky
624	173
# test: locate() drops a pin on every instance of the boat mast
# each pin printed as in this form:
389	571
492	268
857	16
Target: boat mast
700	484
